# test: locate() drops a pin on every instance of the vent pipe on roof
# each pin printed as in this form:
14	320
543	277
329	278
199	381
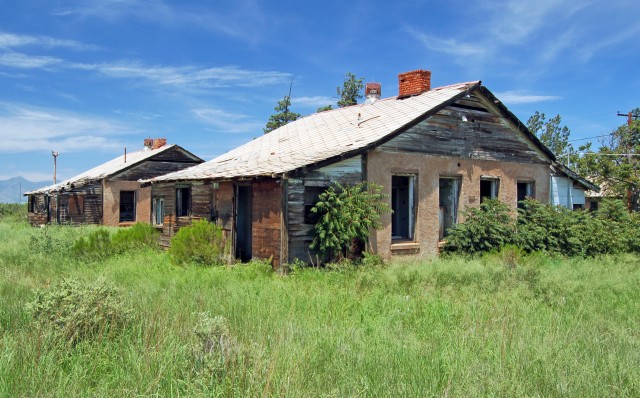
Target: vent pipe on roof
412	83
372	92
125	154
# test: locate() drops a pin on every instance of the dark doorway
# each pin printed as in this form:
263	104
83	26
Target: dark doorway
127	206
244	219
403	206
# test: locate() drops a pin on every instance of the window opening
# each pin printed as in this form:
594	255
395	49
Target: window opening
158	210
525	190
449	194
488	189
127	206
183	201
403	206
311	197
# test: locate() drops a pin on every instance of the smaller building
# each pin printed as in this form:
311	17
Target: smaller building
109	194
568	189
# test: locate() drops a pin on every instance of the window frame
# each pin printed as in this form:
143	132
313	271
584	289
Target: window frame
411	206
531	191
158	201
182	209
133	212
494	188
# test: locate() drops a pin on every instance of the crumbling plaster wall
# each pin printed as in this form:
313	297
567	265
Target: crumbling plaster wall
429	169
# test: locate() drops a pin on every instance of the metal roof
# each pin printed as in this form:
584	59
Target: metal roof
319	137
104	170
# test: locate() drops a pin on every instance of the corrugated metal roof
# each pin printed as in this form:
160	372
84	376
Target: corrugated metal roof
318	137
104	170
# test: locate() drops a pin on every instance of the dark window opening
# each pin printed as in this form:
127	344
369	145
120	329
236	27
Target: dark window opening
593	205
578	206
183	202
127	206
525	190
311	197
449	194
32	204
403	206
488	189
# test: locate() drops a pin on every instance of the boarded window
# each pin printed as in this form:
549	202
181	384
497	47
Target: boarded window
127	206
311	197
403	206
183	201
489	188
449	194
158	210
76	205
525	190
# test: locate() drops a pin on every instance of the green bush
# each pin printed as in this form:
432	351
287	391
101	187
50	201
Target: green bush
138	236
214	348
96	245
76	311
346	215
486	228
13	211
201	242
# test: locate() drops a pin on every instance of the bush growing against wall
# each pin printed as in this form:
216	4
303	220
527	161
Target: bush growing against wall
201	243
486	228
346	215
546	228
74	311
139	235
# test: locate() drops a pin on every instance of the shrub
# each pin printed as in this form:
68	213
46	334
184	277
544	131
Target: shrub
213	347
96	245
76	311
486	228
13	211
347	213
201	242
140	235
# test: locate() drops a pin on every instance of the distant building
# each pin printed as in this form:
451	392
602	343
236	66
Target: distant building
109	194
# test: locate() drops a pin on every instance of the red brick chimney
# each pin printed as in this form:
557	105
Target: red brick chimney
414	83
159	143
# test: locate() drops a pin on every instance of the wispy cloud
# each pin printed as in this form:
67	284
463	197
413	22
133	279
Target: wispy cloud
11	40
28	128
242	19
517	97
313	101
24	61
447	46
228	122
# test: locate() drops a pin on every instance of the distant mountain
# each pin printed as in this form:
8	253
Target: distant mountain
11	190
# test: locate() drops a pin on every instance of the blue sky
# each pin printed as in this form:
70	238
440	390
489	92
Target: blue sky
88	78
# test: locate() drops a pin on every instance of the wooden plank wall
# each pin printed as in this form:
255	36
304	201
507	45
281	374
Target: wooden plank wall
267	220
467	129
166	162
348	171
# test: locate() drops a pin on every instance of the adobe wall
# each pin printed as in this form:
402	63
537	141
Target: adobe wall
428	169
111	201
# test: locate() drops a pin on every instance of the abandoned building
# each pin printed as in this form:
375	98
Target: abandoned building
434	152
109	194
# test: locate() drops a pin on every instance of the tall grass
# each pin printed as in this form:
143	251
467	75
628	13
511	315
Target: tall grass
501	325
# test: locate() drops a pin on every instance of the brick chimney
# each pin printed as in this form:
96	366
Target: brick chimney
372	92
414	83
159	143
148	143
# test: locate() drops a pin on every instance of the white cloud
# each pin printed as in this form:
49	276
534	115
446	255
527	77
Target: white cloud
448	46
23	61
228	122
10	40
28	128
313	101
517	97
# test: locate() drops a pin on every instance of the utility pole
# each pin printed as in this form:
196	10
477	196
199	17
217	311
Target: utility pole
55	158
629	116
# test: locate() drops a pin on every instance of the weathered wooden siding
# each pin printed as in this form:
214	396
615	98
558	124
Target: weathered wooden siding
39	215
267	220
300	230
166	162
77	206
468	129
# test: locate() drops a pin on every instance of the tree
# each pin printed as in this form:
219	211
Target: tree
351	90
282	116
349	93
553	136
616	164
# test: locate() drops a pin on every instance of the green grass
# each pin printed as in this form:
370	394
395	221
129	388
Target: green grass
493	326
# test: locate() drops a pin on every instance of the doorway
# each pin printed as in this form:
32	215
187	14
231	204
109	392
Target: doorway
449	198
244	218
